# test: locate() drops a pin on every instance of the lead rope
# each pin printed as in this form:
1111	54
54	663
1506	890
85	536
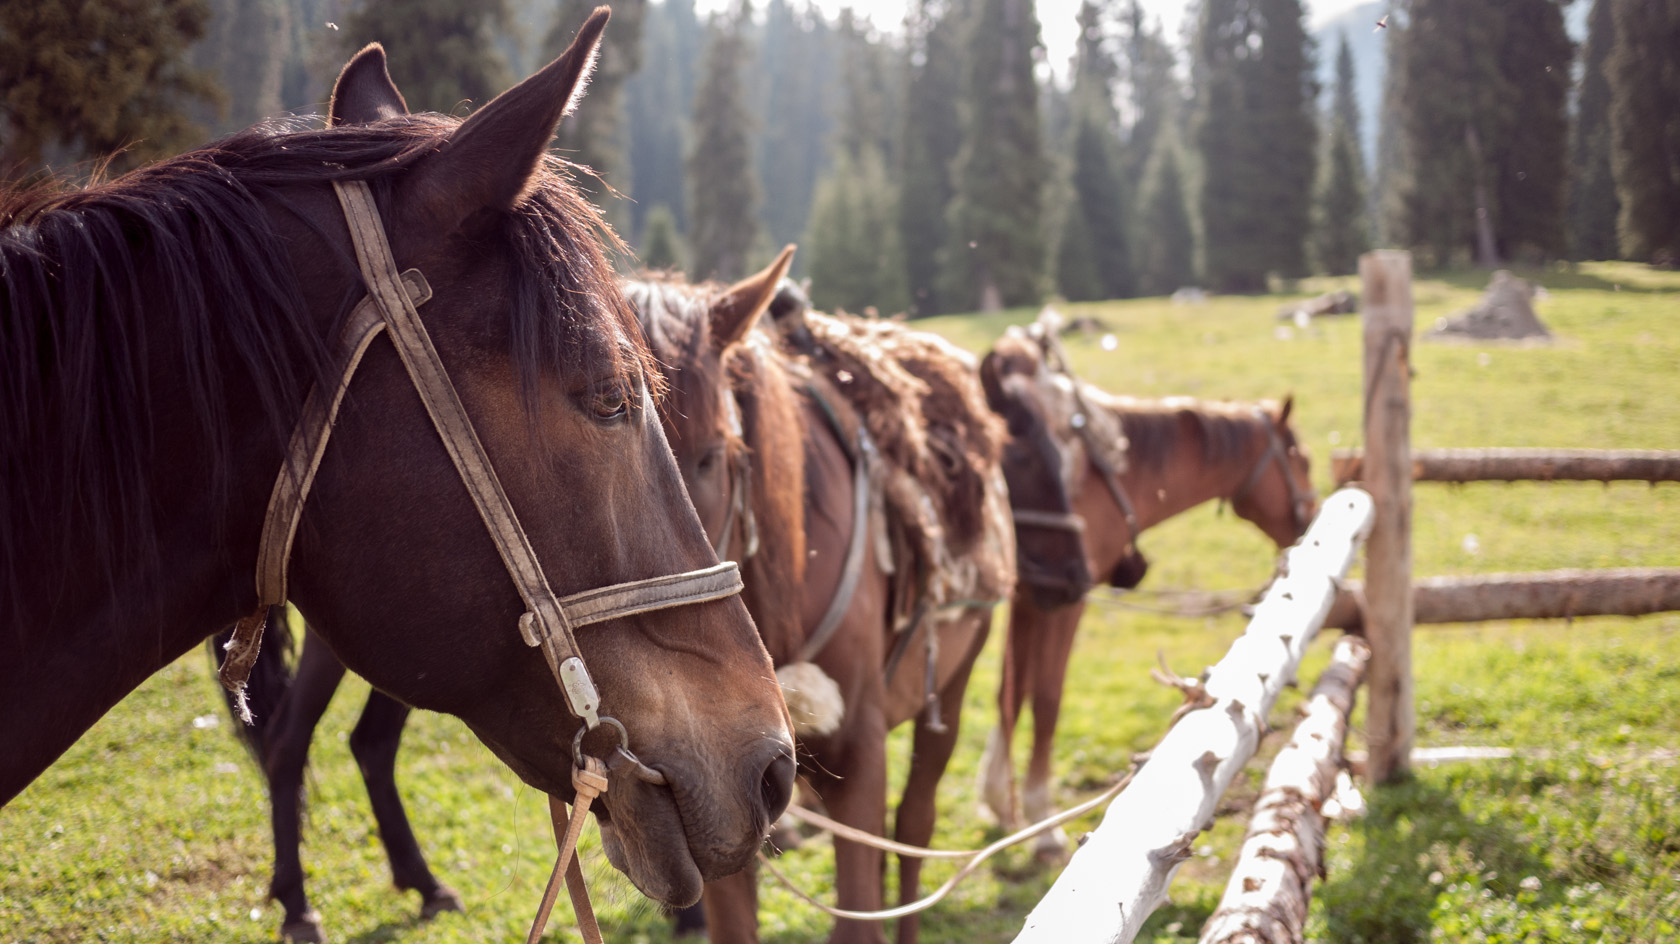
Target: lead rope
589	781
975	857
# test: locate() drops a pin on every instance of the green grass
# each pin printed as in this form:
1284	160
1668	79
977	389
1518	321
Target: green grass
153	828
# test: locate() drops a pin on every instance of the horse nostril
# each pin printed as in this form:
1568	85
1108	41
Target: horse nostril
776	785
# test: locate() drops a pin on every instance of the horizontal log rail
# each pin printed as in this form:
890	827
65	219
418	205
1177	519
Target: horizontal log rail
1523	465
1548	594
1121	871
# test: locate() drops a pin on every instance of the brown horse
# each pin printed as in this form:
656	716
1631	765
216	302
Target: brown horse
1178	453
160	333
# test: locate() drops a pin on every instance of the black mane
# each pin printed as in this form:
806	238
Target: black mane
183	253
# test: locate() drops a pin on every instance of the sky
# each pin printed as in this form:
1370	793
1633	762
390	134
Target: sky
1055	17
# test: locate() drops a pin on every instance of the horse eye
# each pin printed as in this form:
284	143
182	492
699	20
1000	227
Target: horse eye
610	404
710	459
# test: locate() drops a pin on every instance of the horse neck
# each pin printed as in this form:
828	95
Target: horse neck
773	433
1186	475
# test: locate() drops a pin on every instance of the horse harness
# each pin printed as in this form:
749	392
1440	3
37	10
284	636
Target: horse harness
1277	453
549	621
1056	359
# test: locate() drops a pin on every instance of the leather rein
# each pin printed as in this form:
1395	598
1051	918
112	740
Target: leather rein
550	621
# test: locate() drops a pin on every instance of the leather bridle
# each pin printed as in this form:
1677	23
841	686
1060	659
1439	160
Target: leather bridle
1300	506
549	621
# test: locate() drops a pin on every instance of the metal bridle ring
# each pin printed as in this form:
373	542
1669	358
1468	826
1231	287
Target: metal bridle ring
643	772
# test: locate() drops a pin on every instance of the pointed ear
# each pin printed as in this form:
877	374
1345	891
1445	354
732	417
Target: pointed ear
488	162
364	91
737	310
1283	412
990	382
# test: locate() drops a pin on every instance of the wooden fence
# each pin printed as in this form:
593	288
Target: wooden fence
1152	825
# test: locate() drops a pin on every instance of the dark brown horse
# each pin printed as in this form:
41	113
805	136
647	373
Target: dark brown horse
160	333
1178	453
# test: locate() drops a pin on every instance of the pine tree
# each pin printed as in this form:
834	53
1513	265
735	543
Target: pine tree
245	45
597	134
98	77
928	145
1093	258
1645	126
1482	128
1152	89
854	258
1340	232
1166	250
1593	205
659	99
790	85
723	193
995	247
661	244
1256	132
441	53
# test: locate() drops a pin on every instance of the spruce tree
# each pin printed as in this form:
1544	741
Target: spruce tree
1257	134
661	244
928	145
659	98
597	135
1093	258
1593	205
1482	129
723	194
1645	126
1340	232
791	85
995	247
855	260
441	53
1166	252
1152	89
245	46
97	78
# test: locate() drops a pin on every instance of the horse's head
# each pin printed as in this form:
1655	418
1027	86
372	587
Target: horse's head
692	331
1277	494
1043	462
394	565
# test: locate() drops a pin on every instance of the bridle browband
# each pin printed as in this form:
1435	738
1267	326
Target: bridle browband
549	621
1278	454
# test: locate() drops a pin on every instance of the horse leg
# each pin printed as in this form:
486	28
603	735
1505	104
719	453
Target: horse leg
1055	647
731	908
284	756
930	754
858	798
997	767
374	744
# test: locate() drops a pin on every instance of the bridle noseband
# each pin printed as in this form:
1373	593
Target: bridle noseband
1276	454
549	621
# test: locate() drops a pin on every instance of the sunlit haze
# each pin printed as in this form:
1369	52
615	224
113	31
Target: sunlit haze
1055	17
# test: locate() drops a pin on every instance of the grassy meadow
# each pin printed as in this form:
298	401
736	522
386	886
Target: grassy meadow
154	826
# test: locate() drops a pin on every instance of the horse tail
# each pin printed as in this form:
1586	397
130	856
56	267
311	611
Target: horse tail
270	679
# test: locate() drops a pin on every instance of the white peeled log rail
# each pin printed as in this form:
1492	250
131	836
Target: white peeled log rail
1270	889
1121	871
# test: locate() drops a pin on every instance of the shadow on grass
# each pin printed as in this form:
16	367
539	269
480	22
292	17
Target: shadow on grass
1552	277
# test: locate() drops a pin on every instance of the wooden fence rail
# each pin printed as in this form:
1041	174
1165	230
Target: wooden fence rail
1517	465
1552	594
1120	873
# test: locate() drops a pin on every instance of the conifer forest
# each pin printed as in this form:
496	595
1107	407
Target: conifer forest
940	164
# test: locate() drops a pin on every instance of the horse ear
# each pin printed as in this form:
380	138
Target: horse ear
364	91
489	161
1283	412
737	310
990	382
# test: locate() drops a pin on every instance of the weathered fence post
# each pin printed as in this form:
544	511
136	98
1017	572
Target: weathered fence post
1390	722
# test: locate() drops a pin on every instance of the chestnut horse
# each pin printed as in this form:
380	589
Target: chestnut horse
160	335
1178	453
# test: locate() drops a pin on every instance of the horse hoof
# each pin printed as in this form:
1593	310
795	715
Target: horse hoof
439	901
1051	848
304	930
